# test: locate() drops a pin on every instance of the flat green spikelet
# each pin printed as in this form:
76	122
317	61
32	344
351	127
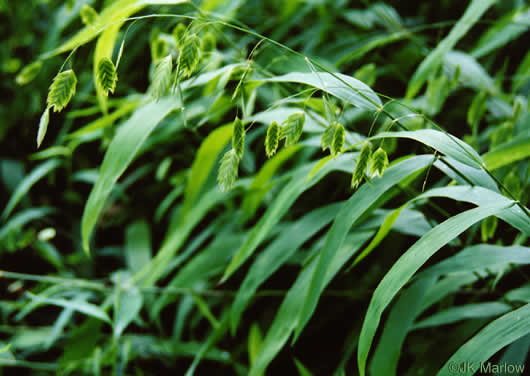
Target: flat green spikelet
238	138
161	77
29	73
62	90
272	139
178	33
159	49
89	15
338	140
227	175
292	128
106	76
379	162
43	126
190	55
327	136
362	165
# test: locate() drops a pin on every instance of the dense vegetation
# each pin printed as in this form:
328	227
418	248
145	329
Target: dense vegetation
312	187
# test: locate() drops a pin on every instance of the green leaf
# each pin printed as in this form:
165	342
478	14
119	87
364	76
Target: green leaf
105	120
255	341
495	336
470	72
62	90
521	294
260	184
111	15
512	151
137	246
128	304
514	215
380	235
433	61
468	311
302	370
25	185
487	228
299	183
522	75
204	162
397	326
443	142
119	155
288	314
480	257
22	218
354	208
409	263
80	306
503	31
177	235
204	266
339	85
277	253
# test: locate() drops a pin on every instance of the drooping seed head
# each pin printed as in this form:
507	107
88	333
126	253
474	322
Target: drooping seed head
238	138
62	90
338	140
272	139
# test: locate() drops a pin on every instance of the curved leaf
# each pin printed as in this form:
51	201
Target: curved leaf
431	63
496	335
354	208
443	142
344	87
409	263
25	185
120	154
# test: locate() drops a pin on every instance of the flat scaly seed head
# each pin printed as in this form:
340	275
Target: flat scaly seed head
190	55
338	140
89	15
327	136
227	175
178	33
62	90
292	128
362	165
238	138
106	76
161	77
379	162
272	139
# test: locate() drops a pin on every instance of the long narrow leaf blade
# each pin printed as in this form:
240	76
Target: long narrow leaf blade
120	154
496	335
409	263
